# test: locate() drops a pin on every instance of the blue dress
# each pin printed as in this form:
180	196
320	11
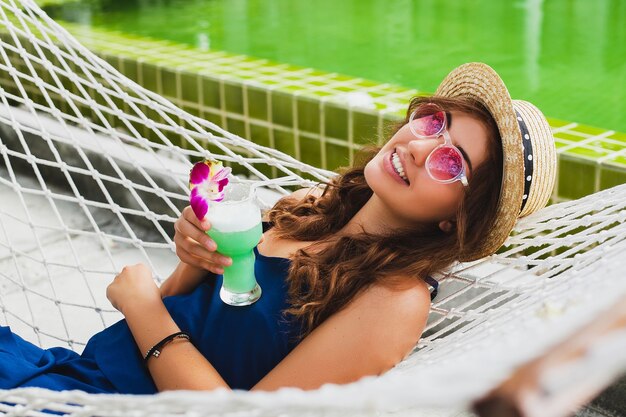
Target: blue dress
242	343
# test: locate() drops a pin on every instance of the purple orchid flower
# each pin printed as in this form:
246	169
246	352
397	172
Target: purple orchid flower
207	180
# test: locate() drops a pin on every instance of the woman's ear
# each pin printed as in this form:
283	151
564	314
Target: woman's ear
447	226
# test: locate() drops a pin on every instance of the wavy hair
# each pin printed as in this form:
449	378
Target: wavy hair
321	282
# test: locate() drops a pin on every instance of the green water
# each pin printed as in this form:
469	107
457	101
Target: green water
239	277
566	56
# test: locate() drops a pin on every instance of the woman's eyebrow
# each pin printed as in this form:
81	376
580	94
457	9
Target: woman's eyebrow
449	116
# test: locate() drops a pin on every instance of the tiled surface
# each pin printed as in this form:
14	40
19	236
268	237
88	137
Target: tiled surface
320	118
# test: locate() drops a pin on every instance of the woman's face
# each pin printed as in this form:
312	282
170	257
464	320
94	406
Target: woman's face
423	199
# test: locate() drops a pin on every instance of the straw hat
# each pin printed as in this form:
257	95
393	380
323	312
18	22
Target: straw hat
529	165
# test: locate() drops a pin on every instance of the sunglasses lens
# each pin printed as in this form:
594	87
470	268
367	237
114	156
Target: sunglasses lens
429	124
445	163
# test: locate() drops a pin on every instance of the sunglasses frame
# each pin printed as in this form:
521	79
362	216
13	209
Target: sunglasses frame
462	176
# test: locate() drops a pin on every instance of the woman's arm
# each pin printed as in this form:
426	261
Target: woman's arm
180	365
377	330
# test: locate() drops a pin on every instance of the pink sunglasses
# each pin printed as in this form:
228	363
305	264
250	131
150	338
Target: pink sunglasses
445	163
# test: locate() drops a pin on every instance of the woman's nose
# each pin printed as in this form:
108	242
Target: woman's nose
419	149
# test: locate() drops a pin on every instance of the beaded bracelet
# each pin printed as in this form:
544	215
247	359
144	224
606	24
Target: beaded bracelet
156	349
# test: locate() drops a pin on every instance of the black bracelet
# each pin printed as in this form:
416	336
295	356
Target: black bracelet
156	349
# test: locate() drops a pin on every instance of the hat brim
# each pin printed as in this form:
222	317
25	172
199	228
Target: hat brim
480	82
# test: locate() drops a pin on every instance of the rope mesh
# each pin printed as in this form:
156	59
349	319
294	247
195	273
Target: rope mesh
93	175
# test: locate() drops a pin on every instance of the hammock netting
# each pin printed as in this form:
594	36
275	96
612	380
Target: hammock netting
94	173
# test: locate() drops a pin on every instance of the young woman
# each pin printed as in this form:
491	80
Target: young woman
343	268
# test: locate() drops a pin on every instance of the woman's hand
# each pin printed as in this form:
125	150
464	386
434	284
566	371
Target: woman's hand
133	285
194	247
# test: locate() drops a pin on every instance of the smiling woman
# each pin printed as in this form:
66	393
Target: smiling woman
346	270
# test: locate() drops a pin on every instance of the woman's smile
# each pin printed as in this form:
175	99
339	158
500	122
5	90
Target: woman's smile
394	167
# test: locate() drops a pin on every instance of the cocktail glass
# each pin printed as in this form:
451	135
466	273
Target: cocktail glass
236	229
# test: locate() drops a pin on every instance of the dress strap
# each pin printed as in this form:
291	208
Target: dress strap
267	226
433	286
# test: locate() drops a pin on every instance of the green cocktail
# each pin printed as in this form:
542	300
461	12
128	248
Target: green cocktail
237	246
236	229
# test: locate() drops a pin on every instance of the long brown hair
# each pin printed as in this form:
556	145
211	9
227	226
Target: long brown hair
322	283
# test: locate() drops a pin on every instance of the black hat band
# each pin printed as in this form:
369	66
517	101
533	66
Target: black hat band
528	159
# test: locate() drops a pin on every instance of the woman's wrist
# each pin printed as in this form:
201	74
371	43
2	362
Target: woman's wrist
149	322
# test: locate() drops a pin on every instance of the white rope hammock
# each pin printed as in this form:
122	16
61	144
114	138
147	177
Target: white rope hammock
85	192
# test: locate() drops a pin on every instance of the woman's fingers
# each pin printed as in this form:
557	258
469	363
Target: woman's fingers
194	248
186	229
190	216
190	259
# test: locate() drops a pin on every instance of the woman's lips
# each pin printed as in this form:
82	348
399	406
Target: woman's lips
390	170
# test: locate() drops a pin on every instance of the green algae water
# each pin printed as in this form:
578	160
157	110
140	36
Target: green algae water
566	56
239	277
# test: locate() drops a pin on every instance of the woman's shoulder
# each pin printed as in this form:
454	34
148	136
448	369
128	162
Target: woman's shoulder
396	297
377	328
399	289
